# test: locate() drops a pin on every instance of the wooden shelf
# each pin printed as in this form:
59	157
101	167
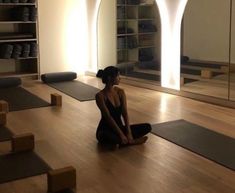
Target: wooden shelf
121	19
22	74
18	40
16	4
145	19
147	33
28	58
150	46
128	34
12	22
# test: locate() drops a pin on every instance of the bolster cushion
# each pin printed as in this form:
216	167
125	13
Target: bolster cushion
58	77
9	82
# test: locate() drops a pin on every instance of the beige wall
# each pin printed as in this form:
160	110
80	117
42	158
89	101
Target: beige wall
51	16
106	34
63	35
206	30
233	38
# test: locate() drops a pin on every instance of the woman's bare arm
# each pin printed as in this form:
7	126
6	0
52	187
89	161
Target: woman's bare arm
124	109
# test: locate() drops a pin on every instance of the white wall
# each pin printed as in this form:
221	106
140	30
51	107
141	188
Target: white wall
107	34
233	37
63	35
206	30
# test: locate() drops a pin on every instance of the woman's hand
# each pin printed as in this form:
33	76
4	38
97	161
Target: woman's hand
130	137
124	139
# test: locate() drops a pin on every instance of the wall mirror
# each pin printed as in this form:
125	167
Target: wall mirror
206	43
129	36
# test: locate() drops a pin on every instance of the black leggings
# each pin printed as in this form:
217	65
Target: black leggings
109	136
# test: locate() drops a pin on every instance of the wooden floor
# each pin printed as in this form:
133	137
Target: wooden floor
66	136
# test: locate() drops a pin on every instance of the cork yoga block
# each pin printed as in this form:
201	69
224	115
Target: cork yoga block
56	99
61	179
206	73
3	118
4	107
22	142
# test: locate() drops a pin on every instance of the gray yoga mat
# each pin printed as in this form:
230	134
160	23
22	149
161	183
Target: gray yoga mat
209	144
19	99
5	134
21	165
76	89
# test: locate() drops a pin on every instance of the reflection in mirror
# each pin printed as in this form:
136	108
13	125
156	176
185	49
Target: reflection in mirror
129	37
205	48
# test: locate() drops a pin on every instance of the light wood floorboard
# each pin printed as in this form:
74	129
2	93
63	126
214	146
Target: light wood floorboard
66	136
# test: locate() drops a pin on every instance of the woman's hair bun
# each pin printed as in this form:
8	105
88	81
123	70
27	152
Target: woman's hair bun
110	71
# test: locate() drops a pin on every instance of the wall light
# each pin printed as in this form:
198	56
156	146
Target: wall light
171	13
93	10
76	38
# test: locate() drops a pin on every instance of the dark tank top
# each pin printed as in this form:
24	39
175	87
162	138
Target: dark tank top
115	113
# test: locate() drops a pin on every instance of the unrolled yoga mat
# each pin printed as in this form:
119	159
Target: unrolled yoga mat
5	134
19	99
21	165
202	141
76	89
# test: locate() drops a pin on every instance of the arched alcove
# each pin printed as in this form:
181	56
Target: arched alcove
122	43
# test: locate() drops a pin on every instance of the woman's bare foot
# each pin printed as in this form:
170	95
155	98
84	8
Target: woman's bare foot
140	140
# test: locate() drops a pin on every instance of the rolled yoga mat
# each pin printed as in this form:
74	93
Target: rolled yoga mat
58	77
200	140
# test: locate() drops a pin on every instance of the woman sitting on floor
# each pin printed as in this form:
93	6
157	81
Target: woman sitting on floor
112	104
